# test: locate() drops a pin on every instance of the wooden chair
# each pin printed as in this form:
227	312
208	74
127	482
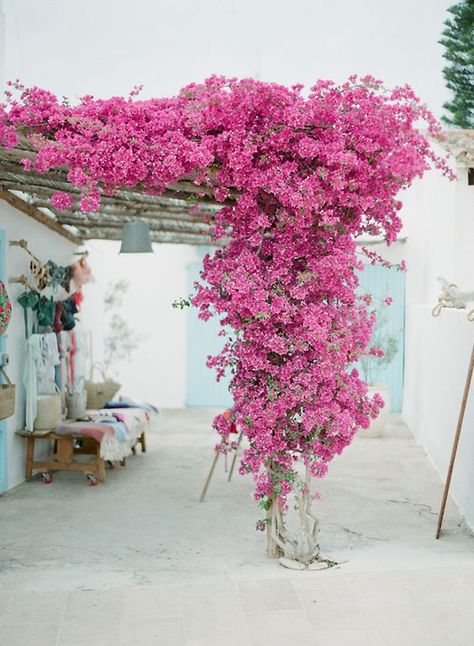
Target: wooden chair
218	452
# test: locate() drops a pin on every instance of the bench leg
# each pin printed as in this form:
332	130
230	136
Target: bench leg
30	452
65	449
143	442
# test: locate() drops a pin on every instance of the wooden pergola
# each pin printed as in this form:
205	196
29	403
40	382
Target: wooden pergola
169	216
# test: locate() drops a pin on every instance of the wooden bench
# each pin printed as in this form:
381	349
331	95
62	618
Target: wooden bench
63	458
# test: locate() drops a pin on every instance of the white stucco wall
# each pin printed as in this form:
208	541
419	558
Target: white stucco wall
45	244
439	217
437	358
157	372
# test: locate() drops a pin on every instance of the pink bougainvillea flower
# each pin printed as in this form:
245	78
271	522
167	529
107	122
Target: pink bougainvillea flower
376	352
62	201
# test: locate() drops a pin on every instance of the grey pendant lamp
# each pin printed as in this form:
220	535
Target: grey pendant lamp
136	238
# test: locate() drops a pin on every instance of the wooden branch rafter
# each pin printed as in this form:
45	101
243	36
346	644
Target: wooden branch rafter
168	215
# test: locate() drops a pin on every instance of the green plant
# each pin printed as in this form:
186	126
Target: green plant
381	351
120	340
458	41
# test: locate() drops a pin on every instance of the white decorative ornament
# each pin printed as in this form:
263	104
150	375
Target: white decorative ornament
453	297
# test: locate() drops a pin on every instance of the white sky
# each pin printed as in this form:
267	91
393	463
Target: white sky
105	47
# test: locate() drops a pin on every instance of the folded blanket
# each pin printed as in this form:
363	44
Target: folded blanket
121	431
135	419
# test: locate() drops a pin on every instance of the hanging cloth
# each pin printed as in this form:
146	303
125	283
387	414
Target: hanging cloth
69	309
63	376
47	367
45	309
30	378
72	359
28	300
82	273
59	276
57	325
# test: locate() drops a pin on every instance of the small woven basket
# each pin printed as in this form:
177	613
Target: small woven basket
7	397
76	404
49	412
100	392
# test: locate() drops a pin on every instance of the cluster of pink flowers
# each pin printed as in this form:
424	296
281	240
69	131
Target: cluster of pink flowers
304	176
61	200
376	259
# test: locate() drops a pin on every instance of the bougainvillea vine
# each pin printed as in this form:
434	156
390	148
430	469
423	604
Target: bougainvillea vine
301	176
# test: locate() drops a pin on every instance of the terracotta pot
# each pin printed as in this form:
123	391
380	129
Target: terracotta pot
377	425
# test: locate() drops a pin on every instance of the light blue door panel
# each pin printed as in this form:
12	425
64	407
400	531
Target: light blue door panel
203	340
381	282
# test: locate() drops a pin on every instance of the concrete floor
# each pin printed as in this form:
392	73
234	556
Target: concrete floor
138	561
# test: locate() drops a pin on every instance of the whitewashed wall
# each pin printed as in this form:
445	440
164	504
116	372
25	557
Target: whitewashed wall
44	244
438	352
439	225
438	218
157	371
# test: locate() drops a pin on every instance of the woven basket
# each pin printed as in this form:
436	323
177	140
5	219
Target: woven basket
49	412
100	392
76	404
7	397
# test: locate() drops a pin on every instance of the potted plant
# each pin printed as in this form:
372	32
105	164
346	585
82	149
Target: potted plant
380	353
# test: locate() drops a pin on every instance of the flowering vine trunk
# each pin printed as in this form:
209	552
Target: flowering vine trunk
303	546
275	545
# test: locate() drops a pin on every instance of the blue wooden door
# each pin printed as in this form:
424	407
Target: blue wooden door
203	340
3	423
381	282
202	389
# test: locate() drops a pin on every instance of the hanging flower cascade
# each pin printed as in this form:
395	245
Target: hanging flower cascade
300	177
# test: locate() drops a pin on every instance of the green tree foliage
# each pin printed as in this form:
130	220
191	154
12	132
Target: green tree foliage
458	41
121	340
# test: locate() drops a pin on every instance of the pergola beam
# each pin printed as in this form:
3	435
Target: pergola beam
167	225
127	212
40	196
156	236
31	211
